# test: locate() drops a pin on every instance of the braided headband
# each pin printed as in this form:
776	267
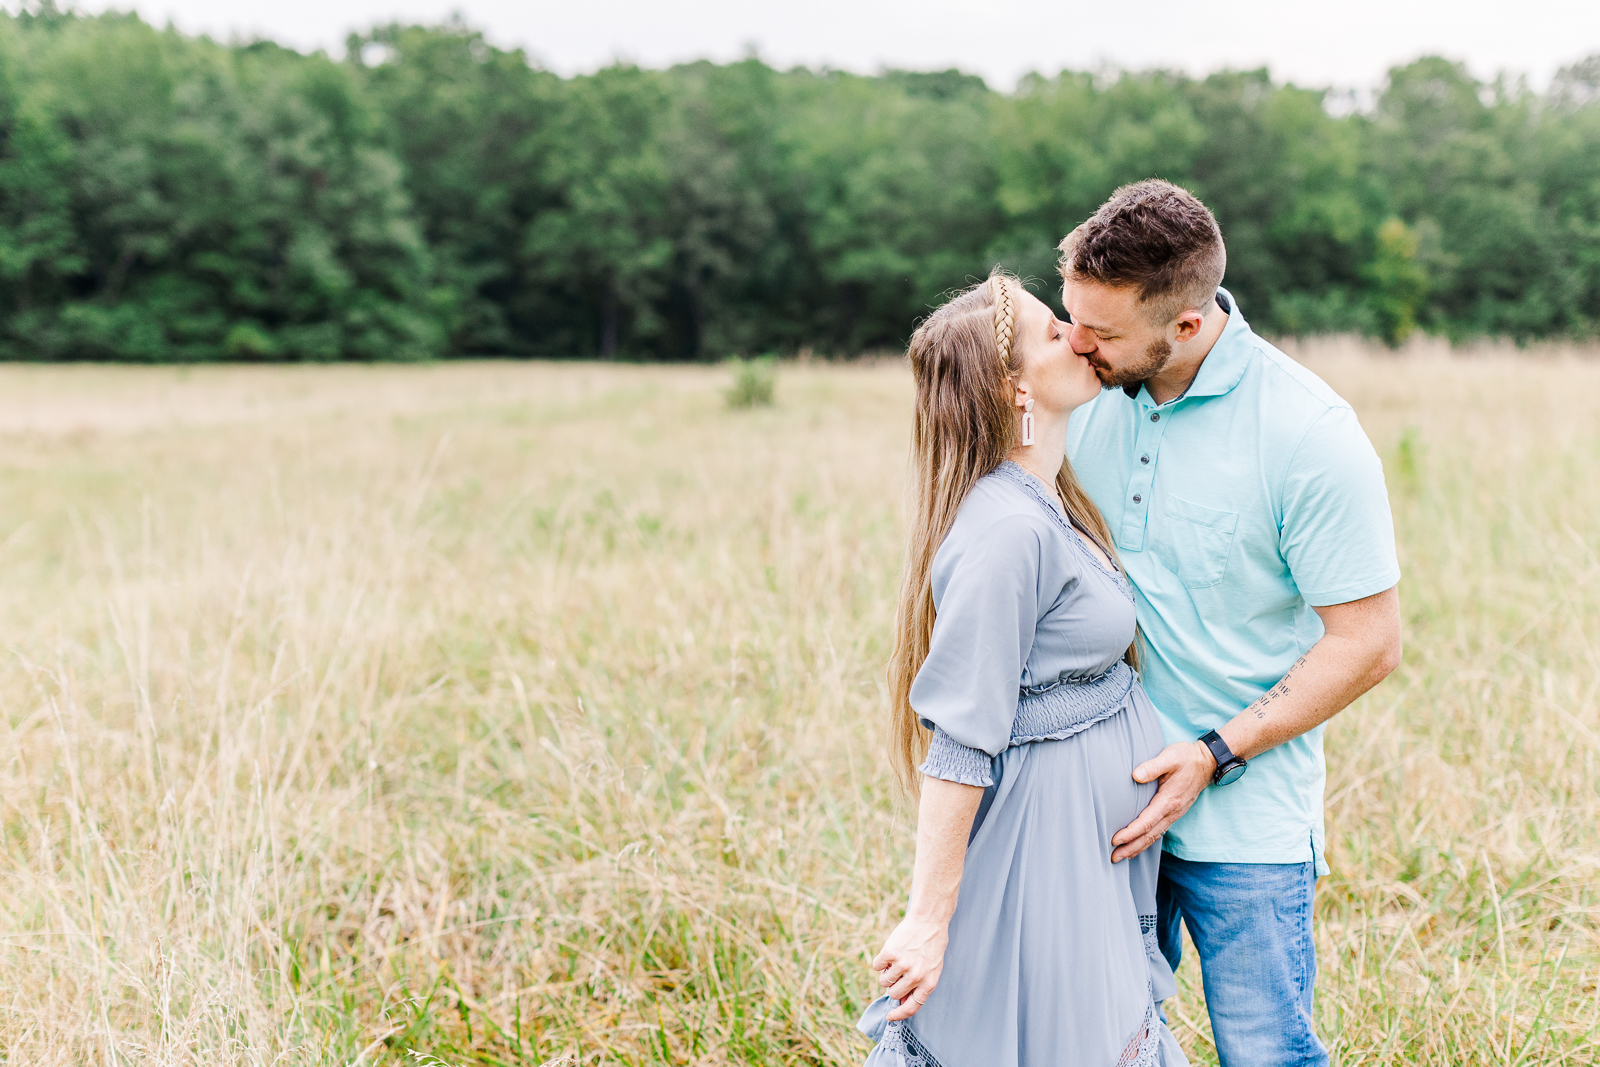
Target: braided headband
1004	318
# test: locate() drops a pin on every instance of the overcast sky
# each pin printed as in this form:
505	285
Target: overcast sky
1347	44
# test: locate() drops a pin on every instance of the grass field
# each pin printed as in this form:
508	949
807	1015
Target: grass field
529	714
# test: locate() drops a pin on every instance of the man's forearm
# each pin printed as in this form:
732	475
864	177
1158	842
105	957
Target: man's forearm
1318	687
1357	652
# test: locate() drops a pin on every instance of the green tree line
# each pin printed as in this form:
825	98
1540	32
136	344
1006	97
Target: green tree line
170	198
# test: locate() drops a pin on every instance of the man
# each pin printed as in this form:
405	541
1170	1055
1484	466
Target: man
1250	512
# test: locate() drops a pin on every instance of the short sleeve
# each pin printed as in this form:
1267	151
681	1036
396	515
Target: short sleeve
986	596
1337	535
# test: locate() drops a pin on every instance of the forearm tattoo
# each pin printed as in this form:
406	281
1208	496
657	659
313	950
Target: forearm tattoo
1277	692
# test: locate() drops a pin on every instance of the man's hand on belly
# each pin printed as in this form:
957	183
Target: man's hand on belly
1184	769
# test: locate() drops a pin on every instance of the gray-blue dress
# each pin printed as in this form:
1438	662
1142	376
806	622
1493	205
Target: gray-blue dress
1052	959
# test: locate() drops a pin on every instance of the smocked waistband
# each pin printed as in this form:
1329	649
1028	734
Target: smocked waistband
1071	703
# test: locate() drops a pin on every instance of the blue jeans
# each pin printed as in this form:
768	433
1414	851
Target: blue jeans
1251	925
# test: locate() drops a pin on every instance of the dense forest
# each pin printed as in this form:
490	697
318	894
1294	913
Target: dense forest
170	198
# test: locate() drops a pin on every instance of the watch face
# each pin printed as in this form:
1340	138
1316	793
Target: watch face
1232	774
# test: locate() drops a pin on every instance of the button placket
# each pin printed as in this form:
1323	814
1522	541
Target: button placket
1136	508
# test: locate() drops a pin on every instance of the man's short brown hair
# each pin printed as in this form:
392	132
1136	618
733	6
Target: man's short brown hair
1156	237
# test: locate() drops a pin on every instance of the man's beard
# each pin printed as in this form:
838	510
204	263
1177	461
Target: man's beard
1148	366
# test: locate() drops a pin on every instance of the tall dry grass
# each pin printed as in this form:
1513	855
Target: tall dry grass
524	714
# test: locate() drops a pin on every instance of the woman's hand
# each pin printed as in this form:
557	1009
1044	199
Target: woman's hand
911	961
913	957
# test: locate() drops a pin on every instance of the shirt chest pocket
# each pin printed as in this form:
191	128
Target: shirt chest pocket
1195	541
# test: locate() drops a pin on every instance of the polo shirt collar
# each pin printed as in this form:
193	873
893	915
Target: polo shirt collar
1224	365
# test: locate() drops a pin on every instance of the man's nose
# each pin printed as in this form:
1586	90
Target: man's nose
1081	340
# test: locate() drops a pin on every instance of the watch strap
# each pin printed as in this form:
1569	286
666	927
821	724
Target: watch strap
1225	757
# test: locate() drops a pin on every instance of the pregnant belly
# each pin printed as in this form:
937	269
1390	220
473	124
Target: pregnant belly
1078	791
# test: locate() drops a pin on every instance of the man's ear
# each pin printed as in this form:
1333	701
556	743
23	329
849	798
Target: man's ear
1190	323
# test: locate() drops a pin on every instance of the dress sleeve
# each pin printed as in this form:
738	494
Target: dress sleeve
952	761
987	603
1337	536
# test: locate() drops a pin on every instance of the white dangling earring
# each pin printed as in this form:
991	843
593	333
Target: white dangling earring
1027	423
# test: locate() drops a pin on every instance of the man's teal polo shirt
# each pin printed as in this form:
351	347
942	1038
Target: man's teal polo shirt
1237	508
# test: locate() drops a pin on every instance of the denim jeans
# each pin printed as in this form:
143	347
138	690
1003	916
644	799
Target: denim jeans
1251	925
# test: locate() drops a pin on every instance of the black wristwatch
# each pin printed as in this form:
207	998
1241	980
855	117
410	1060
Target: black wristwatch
1230	768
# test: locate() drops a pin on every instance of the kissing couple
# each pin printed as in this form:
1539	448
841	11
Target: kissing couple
1150	556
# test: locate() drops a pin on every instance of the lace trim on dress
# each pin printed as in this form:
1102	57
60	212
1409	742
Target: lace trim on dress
1144	1049
1147	928
899	1038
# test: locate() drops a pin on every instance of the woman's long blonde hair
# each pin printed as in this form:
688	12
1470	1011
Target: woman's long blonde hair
965	426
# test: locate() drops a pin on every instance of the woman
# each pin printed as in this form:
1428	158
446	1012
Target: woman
1022	945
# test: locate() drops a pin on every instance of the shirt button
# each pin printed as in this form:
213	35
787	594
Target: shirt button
1144	459
1155	416
1137	498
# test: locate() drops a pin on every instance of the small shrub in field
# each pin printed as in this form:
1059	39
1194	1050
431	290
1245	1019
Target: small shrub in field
753	382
